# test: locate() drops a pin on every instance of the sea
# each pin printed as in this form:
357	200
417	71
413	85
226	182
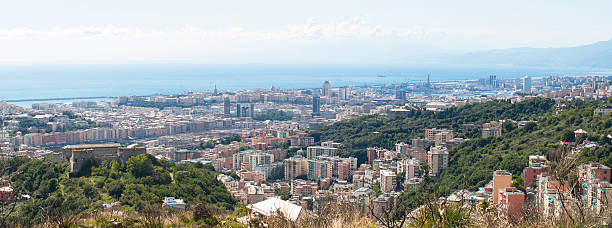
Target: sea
68	81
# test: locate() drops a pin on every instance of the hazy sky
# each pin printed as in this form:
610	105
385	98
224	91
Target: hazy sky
288	31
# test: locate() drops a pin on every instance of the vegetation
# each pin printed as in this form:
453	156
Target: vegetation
471	163
224	141
377	130
26	125
139	185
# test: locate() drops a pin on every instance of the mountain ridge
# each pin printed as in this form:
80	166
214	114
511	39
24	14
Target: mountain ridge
598	54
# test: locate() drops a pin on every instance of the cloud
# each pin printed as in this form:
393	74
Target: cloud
352	39
357	27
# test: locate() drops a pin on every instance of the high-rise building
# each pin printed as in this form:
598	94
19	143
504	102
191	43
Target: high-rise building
343	93
388	181
252	110
527	83
400	95
493	81
437	159
244	111
295	166
411	167
226	106
316	105
238	110
320	169
401	148
501	179
327	90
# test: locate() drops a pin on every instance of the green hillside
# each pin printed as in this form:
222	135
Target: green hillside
142	182
471	163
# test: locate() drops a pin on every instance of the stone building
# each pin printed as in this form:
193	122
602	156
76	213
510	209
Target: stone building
80	154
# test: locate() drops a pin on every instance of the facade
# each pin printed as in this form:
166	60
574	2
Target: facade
372	154
343	93
320	169
226	106
181	155
314	151
295	167
301	140
430	133
531	172
6	194
419	154
437	159
402	148
173	202
594	180
551	195
78	155
412	183
252	110
384	203
316	105
599	196
388	181
527	83
400	95
511	202
443	137
419	142
326	90
255	194
411	167
579	134
492	129
593	171
250	159
501	179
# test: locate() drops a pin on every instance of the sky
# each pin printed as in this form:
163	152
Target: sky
343	31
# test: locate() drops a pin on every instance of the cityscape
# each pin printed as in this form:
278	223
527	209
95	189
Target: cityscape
365	114
266	139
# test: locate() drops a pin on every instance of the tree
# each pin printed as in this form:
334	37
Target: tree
377	190
140	165
567	136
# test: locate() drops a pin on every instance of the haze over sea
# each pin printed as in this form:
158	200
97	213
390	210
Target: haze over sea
54	81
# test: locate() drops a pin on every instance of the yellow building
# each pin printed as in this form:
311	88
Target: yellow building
501	179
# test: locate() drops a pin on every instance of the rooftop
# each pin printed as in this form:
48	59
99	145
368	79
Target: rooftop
85	146
271	206
502	173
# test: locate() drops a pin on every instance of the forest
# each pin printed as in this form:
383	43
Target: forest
140	183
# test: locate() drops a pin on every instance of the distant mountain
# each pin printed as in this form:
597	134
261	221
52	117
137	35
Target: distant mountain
592	55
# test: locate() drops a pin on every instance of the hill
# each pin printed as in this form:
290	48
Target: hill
592	55
142	182
471	163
